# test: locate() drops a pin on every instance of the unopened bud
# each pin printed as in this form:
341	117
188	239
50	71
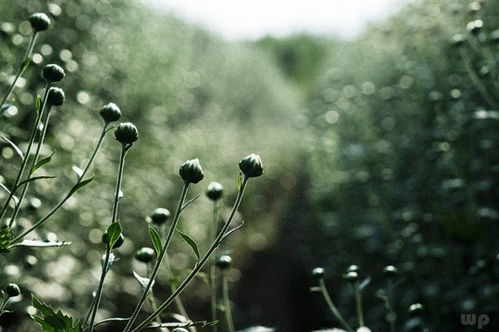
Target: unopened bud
126	133
215	191
223	262
159	216
318	272
56	97
145	255
110	112
53	73
12	290
39	21
191	171
251	166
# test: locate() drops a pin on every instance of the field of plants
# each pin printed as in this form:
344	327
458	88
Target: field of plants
155	177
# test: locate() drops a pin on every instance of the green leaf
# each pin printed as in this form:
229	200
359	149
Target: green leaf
6	238
16	200
34	178
38	243
113	234
80	185
143	282
42	162
52	321
38	104
77	170
239	181
156	240
190	242
15	147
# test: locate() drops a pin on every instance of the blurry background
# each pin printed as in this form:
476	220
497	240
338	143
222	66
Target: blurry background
379	141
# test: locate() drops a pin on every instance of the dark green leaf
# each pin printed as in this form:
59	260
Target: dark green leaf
38	243
113	234
42	162
190	242
52	321
80	185
15	147
34	178
156	240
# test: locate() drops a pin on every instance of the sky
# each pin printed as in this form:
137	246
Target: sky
243	19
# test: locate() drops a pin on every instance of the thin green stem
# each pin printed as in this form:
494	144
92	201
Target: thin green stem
227	309
152	298
164	249
358	303
33	163
212	270
22	69
69	194
26	155
4	303
390	301
200	264
332	307
98	295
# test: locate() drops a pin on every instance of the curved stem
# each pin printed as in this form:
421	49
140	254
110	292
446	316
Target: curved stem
22	69
358	303
164	249
332	307
26	155
98	295
69	194
200	264
212	272
33	163
227	309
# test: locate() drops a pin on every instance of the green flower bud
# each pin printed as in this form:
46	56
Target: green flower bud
318	272
475	26
56	97
110	112
223	262
494	36
458	40
118	243
251	166
191	171
12	290
390	270
416	308
145	255
52	73
40	21
159	216
126	133
351	276
353	268
214	191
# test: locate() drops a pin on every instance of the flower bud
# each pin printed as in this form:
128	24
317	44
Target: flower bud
12	290
126	133
353	268
159	216
56	97
458	40
110	112
390	271
416	308
475	26
118	243
318	272
351	276
494	36
191	171
39	21
251	166
214	191
145	255
223	262
52	73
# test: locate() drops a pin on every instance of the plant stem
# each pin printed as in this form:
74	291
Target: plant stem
392	317
358	303
164	249
227	309
22	69
212	272
4	303
152	299
332	307
33	163
69	194
98	295
26	155
200	264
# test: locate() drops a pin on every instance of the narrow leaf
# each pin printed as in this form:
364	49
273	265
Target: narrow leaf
113	234
156	240
143	282
226	235
80	185
38	103
16	200
190	242
42	162
365	283
39	243
189	202
34	178
15	147
77	170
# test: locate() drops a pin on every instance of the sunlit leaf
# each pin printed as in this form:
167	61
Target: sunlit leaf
80	185
156	240
39	243
42	162
14	147
190	242
77	170
113	233
143	282
52	321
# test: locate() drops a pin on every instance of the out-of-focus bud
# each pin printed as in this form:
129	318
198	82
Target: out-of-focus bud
40	21
145	255
475	26
56	97
126	133
416	308
494	36
390	270
223	262
251	166
159	216
318	272
458	40
191	171
53	73
12	290
353	268
214	191
110	112
351	276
